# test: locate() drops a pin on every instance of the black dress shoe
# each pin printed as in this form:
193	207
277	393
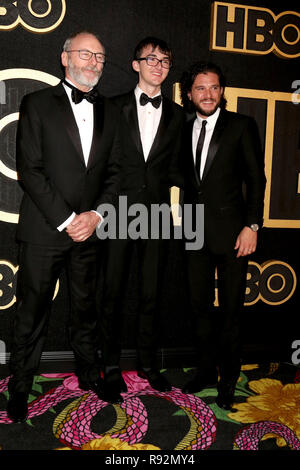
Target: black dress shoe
155	379
225	396
201	381
17	407
97	387
114	385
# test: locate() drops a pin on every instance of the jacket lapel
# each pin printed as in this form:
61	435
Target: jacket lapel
189	145
97	132
130	113
69	119
166	116
215	142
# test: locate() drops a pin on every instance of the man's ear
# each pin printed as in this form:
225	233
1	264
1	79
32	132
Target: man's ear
64	58
136	65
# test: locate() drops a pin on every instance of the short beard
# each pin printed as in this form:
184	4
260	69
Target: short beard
79	78
204	112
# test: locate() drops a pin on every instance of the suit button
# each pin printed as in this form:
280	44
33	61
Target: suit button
144	186
200	193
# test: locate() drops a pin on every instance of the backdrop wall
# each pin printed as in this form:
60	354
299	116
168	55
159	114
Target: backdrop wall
257	44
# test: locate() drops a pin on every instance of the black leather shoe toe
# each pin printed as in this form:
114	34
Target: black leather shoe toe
17	407
111	394
97	387
225	396
114	385
155	379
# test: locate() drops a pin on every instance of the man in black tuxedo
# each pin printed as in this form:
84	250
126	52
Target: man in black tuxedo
222	158
150	137
67	165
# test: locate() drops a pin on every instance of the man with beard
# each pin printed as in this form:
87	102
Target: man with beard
66	156
223	157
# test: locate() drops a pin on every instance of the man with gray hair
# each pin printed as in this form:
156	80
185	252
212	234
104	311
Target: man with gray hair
66	155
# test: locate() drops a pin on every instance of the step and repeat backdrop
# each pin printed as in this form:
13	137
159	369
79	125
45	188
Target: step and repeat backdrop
257	45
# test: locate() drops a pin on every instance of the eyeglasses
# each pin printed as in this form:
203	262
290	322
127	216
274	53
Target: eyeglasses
87	55
153	61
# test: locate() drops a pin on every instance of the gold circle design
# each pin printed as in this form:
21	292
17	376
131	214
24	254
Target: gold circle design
264	266
284	38
269	283
12	174
14	270
32	29
249	277
10	74
41	15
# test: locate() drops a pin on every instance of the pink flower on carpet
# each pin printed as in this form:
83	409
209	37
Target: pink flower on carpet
56	376
70	382
134	382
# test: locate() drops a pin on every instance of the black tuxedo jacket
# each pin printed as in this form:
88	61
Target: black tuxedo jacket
233	181
148	182
51	166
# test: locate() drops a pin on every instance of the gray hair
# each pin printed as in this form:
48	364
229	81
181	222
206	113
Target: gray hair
68	41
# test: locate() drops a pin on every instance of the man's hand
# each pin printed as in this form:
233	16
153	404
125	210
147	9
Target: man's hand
246	242
82	226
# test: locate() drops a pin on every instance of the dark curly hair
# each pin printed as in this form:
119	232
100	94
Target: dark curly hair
154	42
188	77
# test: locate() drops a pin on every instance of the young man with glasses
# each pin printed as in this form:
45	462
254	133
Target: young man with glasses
65	157
150	138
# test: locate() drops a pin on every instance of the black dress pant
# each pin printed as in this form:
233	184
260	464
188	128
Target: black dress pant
150	256
40	267
217	331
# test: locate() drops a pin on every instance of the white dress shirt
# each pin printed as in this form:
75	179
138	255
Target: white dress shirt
209	129
84	117
149	118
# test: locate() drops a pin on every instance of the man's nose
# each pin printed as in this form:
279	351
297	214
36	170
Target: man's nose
207	93
93	59
158	65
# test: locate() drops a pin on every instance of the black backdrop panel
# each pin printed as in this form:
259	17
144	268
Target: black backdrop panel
30	59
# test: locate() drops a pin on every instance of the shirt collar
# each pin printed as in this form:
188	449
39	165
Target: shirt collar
69	94
138	91
211	120
68	89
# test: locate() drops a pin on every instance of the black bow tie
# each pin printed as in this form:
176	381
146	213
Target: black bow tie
78	95
144	99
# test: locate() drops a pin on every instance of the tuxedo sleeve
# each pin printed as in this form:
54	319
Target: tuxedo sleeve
254	174
110	187
31	169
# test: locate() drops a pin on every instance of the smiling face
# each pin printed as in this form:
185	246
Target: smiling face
85	74
151	77
206	93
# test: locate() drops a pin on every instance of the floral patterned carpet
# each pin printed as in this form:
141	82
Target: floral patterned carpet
63	417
